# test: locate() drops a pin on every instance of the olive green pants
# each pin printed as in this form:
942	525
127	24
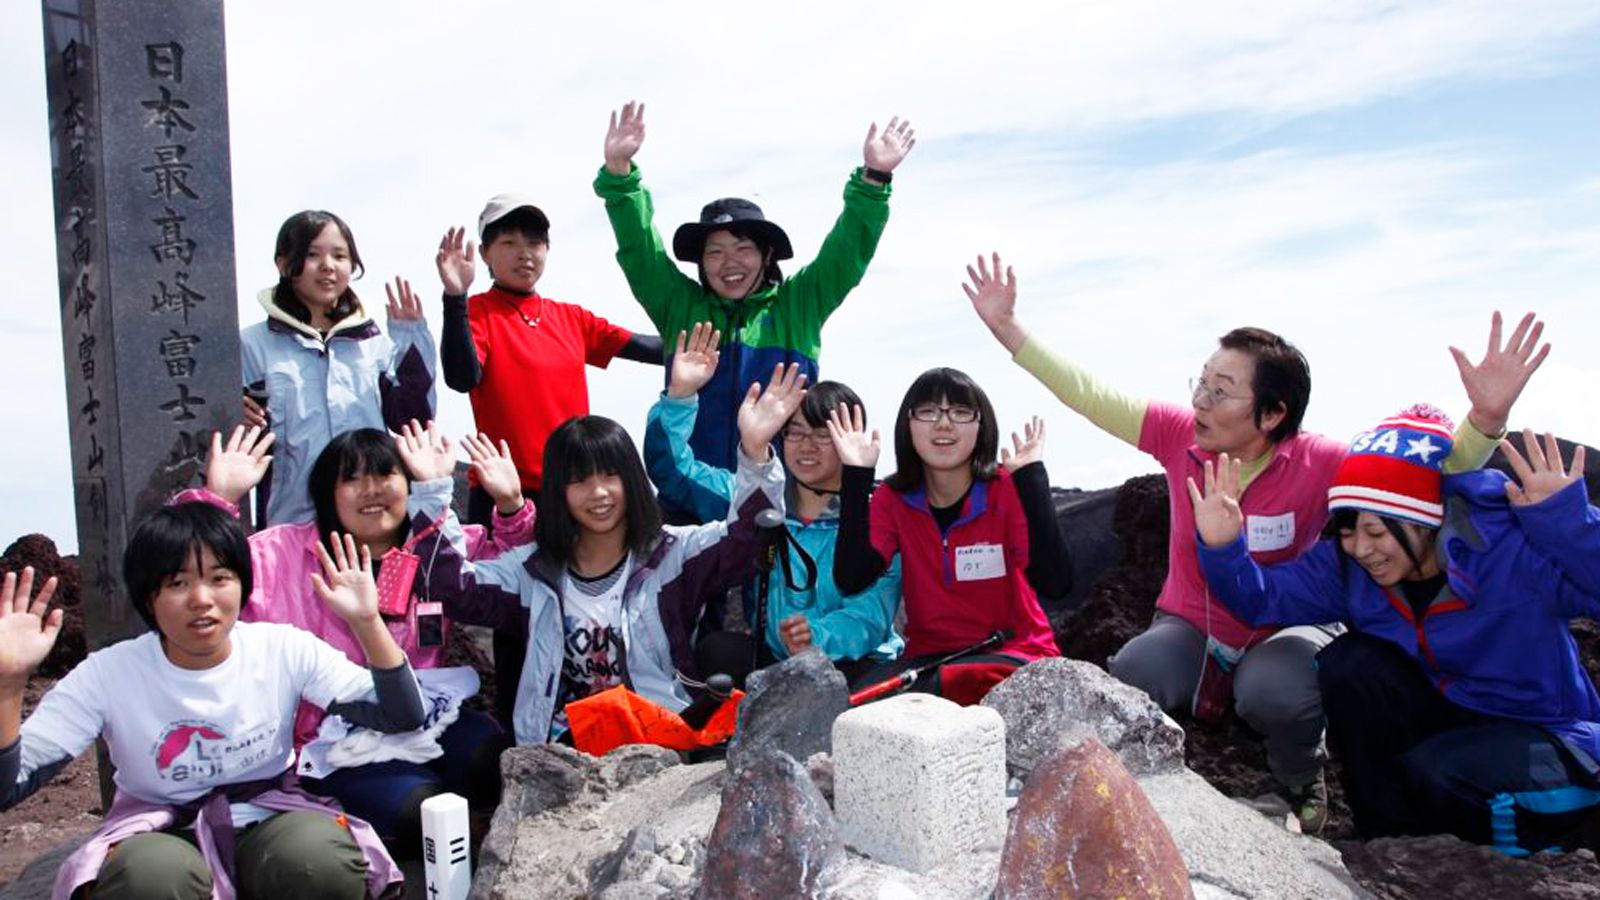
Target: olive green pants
293	854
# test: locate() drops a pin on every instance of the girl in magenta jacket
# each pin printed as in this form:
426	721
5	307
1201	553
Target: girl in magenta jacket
977	538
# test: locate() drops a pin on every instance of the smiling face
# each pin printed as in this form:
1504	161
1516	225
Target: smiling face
809	454
516	260
325	275
1224	408
195	609
598	504
733	265
371	507
1375	548
943	444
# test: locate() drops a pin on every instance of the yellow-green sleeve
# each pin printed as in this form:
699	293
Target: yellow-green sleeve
1114	412
1472	448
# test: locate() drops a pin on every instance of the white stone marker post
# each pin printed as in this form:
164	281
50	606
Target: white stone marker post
918	780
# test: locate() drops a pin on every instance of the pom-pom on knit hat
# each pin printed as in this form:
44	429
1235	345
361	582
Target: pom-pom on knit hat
1396	469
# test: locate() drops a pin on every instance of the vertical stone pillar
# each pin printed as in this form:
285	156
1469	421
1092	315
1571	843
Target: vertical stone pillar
144	244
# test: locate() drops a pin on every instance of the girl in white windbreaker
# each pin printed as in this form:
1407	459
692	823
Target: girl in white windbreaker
319	366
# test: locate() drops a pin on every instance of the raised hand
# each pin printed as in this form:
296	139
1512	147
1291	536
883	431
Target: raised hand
764	412
994	298
1216	514
1029	446
694	362
883	151
1540	473
1494	384
624	137
255	415
497	474
455	261
795	632
426	453
847	427
27	632
346	584
232	470
404	305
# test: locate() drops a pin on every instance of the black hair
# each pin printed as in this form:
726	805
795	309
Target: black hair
823	398
294	244
1282	378
169	538
1342	520
523	220
951	386
580	447
771	274
352	454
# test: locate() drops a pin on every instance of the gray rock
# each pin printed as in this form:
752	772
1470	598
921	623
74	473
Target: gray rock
790	708
1232	848
634	860
1053	702
36	879
820	767
774	836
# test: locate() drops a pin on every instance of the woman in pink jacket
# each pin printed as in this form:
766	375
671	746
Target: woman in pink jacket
362	483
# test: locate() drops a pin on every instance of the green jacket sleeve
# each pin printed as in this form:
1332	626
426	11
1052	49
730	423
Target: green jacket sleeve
814	292
669	297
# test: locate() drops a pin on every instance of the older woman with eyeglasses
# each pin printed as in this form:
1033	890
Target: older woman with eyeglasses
1248	403
855	630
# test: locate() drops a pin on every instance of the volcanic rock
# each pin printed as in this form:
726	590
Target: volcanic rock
790	707
774	835
1444	867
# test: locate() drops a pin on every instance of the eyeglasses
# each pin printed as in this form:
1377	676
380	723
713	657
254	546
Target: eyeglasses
1205	395
818	438
958	415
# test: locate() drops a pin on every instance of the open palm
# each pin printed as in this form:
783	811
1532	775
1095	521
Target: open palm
27	630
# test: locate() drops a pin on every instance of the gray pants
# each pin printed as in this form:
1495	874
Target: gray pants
1274	686
294	854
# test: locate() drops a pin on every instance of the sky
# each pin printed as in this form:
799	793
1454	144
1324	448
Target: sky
1370	179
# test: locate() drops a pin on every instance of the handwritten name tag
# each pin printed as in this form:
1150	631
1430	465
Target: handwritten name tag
979	562
1267	533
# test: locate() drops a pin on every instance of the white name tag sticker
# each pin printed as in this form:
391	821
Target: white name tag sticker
1267	533
980	562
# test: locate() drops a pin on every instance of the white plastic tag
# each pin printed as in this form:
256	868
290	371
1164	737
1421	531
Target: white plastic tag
1268	533
445	865
980	562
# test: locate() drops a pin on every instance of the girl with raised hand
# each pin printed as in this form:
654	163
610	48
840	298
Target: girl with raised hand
1457	702
610	596
197	715
763	318
1248	402
856	630
319	366
977	538
361	486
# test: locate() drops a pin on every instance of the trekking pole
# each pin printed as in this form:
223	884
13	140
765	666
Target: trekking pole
769	523
909	677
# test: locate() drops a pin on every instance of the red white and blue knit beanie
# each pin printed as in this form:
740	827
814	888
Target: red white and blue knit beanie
1396	469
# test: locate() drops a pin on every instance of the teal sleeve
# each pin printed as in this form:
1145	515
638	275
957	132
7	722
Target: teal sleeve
670	298
864	623
683	481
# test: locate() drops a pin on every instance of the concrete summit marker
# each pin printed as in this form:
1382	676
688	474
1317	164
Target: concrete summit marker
137	94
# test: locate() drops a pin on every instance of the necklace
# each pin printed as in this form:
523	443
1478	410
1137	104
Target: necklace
517	308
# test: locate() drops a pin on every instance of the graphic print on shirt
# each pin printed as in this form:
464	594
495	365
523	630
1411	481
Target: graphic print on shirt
192	750
593	658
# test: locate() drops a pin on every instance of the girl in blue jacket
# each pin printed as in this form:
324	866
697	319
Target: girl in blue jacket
1457	703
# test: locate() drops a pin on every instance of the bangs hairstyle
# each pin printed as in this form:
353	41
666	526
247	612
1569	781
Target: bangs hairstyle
172	536
522	220
294	245
352	455
952	387
824	397
1282	377
1341	520
581	447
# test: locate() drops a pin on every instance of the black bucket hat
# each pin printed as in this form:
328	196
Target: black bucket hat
729	214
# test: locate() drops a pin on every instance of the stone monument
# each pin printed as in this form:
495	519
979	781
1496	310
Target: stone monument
137	93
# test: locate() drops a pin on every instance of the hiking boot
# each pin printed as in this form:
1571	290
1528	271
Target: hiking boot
1309	803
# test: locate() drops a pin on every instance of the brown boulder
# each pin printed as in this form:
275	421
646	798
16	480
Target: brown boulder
774	836
1084	828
